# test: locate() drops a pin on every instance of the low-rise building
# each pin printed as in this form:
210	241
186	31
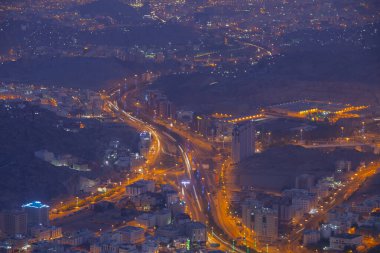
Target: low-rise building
171	198
150	247
13	223
18	244
169	231
343	241
48	246
367	205
163	217
328	230
146	220
132	235
343	219
42	233
76	238
301	199
311	237
140	187
146	201
196	231
127	248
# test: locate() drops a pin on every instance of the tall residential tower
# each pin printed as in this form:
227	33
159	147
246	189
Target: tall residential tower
243	141
38	213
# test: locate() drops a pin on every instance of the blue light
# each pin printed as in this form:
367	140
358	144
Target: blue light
35	204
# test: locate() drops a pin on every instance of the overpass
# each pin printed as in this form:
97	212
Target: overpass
334	144
247	118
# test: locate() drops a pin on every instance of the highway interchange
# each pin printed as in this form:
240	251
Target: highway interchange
205	197
196	185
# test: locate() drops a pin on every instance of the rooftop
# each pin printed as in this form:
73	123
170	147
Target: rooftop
131	229
196	225
306	105
346	236
310	232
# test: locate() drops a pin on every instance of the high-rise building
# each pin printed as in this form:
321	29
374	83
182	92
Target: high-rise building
13	223
301	199
248	208
166	109
285	210
266	224
38	213
242	141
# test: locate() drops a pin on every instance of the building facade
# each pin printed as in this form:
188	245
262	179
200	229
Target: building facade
38	213
243	139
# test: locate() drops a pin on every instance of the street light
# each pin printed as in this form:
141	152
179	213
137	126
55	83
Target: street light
363	128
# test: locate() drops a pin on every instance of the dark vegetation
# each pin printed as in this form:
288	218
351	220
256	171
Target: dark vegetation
22	132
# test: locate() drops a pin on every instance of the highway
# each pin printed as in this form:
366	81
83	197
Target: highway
336	198
211	204
206	200
68	207
201	205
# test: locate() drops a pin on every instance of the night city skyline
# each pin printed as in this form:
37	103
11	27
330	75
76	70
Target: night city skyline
160	126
